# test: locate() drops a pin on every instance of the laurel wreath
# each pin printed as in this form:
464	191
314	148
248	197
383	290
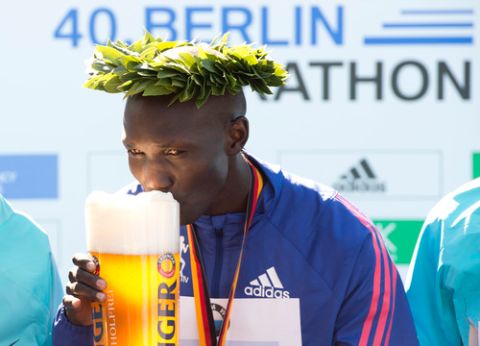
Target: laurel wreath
185	70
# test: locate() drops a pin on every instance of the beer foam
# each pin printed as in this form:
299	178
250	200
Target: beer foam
148	223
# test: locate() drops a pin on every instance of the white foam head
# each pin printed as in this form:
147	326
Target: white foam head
148	223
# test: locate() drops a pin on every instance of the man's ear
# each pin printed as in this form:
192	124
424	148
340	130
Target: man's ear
237	135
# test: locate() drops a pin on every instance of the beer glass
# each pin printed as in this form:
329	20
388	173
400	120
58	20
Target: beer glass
135	244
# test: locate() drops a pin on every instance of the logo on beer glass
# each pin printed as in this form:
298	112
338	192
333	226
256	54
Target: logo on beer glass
97	266
166	265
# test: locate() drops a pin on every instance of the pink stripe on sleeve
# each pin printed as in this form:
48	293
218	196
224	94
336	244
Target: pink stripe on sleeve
367	324
387	297
394	275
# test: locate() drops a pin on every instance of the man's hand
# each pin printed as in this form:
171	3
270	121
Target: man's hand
84	288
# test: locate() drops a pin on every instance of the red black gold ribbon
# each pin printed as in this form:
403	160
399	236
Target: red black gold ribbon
205	324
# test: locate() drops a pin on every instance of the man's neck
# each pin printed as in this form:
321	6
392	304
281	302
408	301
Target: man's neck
234	196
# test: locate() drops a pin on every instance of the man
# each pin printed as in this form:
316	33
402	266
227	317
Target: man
316	266
443	283
30	288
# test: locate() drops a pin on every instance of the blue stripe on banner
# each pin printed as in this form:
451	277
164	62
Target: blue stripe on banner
426	25
467	40
437	11
29	176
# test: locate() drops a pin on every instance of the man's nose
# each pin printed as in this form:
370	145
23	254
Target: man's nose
156	178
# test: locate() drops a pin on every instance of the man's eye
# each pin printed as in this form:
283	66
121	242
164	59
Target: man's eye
134	152
173	152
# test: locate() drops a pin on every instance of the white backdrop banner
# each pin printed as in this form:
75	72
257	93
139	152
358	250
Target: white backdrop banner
382	102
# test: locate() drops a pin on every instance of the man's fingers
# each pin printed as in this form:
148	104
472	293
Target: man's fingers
71	303
84	261
79	289
72	274
78	310
77	274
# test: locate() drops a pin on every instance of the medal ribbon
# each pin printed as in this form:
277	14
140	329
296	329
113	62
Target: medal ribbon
203	310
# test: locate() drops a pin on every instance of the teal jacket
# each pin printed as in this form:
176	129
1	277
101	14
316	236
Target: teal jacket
30	288
443	283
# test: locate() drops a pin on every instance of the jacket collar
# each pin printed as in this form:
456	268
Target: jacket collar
273	181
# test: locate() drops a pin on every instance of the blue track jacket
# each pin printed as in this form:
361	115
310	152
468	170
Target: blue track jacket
443	282
30	288
309	250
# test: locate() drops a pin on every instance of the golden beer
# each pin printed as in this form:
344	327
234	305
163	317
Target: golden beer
135	242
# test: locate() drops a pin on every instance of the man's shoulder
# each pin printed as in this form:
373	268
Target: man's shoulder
459	216
21	226
451	232
459	207
324	228
294	185
305	208
305	185
307	194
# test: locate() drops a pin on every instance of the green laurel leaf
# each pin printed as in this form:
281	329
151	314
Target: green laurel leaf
186	70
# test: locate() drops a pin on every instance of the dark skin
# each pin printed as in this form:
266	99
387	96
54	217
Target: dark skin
193	153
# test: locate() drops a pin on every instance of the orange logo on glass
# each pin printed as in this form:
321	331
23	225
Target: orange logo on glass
166	265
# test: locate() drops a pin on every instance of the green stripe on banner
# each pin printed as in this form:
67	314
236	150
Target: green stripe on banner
476	165
400	237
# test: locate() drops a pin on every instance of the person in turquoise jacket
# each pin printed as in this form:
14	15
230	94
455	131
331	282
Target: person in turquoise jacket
443	282
30	287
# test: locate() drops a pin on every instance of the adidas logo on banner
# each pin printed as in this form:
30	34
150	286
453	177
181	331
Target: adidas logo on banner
360	178
267	285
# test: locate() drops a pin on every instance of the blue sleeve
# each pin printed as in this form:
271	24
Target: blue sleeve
375	310
68	334
29	283
432	305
